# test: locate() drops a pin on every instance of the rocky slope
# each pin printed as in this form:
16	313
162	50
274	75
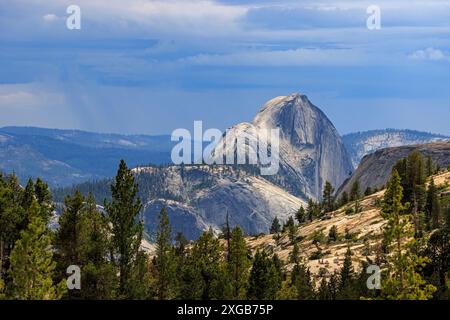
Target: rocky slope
365	231
375	169
200	197
311	151
360	144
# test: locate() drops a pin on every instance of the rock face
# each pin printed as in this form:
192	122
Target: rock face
200	197
311	151
375	169
363	143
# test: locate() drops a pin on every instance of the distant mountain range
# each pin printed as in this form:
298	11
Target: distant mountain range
360	144
66	157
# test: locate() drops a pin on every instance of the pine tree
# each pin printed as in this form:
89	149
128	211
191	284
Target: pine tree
323	293
141	281
291	229
44	199
438	253
275	227
203	274
264	278
300	215
238	265
127	231
328	198
402	279
333	235
344	199
302	280
28	195
430	169
32	265
165	259
355	192
294	256
12	218
346	285
432	207
70	239
99	280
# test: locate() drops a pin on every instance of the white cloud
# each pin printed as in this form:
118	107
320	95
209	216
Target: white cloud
429	54
50	17
294	57
15	96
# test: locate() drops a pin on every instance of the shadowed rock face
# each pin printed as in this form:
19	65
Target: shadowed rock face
375	169
311	151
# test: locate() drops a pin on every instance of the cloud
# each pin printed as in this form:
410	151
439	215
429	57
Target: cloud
277	58
49	17
429	54
20	96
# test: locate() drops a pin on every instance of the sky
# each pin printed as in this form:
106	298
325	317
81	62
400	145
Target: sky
149	67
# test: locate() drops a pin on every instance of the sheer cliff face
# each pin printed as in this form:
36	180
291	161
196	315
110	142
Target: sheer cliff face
310	148
311	151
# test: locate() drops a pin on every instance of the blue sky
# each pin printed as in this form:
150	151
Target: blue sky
142	66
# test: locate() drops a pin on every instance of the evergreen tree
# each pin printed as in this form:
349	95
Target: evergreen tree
430	168
328	198
333	285
140	282
32	265
402	279
44	199
432	207
438	253
323	293
238	265
181	246
302	281
313	210
12	218
346	285
264	278
291	229
333	235
355	192
294	256
127	231
300	215
99	280
275	227
344	199
165	259
203	274
28	195
70	238
301	277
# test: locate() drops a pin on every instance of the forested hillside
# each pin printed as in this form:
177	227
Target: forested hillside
321	252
